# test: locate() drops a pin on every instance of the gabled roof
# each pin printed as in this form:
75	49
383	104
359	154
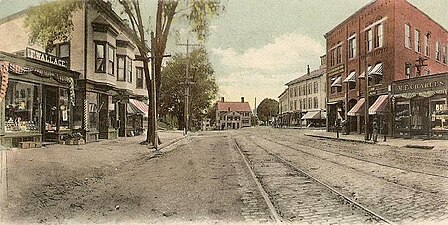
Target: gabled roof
314	74
234	106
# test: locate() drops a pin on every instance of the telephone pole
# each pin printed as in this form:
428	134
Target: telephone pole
187	84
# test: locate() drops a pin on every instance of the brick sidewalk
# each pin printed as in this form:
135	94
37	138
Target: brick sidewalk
390	141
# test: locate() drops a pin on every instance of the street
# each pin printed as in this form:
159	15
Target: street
255	174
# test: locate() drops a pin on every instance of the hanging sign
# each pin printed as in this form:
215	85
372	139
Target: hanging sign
45	57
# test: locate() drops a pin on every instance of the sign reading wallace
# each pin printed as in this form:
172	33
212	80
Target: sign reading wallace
45	57
421	84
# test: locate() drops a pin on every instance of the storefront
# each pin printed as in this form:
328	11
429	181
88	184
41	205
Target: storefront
420	107
38	101
335	111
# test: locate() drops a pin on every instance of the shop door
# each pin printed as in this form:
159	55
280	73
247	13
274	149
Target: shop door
419	117
50	122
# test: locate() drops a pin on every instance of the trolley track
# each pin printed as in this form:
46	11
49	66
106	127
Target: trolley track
295	195
357	158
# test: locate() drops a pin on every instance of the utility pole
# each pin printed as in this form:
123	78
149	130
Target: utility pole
187	84
420	64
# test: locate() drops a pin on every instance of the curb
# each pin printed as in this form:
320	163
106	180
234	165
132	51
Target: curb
339	139
169	143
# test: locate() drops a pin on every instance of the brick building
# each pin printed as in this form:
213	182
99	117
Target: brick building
387	38
233	115
110	85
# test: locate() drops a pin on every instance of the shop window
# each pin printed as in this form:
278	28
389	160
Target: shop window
100	57
139	77
92	103
22	111
121	75
64	107
111	60
402	116
439	114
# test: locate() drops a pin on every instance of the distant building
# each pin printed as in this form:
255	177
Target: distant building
233	115
303	102
392	41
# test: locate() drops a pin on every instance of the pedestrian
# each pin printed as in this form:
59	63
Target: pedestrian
375	129
337	124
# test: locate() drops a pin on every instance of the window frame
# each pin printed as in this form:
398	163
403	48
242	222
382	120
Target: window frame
369	38
123	57
128	69
104	69
407	35
110	71
417	43
352	48
379	38
137	79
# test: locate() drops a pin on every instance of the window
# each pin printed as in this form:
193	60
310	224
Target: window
300	104
111	60
417	41
295	91
310	103
64	50
295	104
310	89
438	51
427	45
379	35
316	87
121	75
291	93
352	47
100	56
300	91
304	89
407	36
139	77
304	103
129	69
316	103
444	54
427	72
22	102
339	54
408	70
333	57
369	37
92	100
291	104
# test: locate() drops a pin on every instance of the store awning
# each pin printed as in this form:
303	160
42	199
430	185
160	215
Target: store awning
140	106
357	109
377	70
337	82
380	106
350	78
313	115
363	74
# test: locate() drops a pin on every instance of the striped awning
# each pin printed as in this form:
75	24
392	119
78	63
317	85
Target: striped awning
313	115
141	106
380	106
337	82
358	108
363	74
377	70
350	78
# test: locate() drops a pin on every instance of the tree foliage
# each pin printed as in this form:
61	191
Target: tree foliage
203	90
51	22
268	108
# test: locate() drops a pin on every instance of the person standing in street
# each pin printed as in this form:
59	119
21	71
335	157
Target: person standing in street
375	129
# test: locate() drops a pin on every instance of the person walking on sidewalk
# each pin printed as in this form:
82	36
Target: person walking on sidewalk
375	128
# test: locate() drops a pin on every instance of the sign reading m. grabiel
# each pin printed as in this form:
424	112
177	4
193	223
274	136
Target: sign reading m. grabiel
45	57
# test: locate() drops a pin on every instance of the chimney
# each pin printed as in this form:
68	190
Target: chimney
242	99
222	99
308	69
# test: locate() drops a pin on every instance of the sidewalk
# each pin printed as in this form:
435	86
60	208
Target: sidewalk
390	141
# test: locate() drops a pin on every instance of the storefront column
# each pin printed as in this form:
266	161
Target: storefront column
122	114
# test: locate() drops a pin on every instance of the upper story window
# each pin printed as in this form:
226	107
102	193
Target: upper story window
316	87
100	58
417	41
333	57
310	89
339	54
139	77
438	51
295	91
121	73
300	91
408	70
291	93
316	103
379	35
295	104
352	47
407	36
129	70
427	52
444	54
111	60
369	37
64	50
310	103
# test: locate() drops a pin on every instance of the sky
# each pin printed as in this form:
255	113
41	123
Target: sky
256	46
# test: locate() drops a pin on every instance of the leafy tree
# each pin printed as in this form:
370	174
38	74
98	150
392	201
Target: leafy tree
203	90
52	22
268	108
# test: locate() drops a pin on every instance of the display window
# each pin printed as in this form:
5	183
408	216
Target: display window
64	107
402	115
439	114
92	103
22	107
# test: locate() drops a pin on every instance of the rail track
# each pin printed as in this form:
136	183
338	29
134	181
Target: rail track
361	158
293	195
